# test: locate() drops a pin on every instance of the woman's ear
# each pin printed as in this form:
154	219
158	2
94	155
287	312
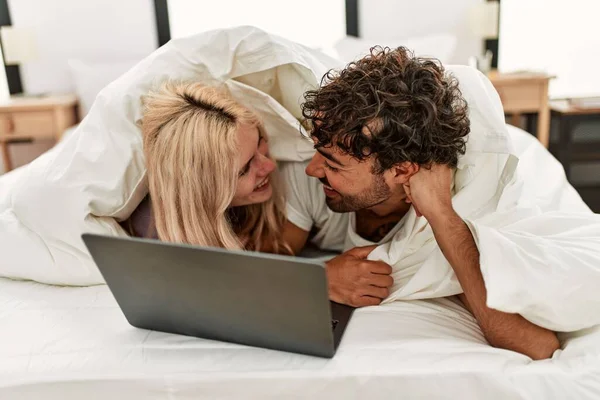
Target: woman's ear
404	171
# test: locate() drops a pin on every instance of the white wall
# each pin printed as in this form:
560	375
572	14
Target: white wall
556	36
314	23
86	29
397	19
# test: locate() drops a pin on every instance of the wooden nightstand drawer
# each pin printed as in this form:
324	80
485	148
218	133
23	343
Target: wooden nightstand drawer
25	118
520	98
525	92
34	123
6	125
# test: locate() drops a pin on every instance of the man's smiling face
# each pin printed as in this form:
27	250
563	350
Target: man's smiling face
349	184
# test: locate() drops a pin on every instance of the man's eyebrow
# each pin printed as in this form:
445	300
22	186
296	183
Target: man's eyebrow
329	156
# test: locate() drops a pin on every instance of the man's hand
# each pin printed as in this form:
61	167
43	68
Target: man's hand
356	281
429	191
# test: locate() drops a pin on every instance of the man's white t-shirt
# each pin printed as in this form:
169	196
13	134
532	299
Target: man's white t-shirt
306	208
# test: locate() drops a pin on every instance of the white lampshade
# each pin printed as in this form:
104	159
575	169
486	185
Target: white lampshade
483	19
19	45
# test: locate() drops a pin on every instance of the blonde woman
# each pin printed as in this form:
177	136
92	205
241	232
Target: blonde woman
211	179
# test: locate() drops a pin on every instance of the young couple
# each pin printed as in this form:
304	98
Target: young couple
388	130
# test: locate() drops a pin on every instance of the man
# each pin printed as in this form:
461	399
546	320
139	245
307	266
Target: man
389	130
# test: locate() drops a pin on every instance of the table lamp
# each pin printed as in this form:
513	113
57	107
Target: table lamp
483	22
19	45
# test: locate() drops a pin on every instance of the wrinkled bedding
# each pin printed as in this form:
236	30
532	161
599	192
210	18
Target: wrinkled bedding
69	343
96	177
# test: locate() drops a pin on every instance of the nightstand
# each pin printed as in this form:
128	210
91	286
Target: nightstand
577	151
525	92
30	118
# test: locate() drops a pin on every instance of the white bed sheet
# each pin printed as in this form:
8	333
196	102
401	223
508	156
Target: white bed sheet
72	343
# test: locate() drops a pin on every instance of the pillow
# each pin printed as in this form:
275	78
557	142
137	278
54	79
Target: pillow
91	77
440	46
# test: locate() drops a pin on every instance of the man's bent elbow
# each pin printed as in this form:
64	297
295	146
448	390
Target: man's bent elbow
545	347
539	347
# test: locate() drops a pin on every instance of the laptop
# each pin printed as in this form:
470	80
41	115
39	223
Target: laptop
256	299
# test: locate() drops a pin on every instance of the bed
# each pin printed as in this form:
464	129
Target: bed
72	343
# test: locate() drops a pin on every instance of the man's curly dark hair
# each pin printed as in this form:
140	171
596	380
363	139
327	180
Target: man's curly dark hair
393	105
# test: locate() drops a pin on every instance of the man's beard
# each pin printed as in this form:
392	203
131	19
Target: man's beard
376	194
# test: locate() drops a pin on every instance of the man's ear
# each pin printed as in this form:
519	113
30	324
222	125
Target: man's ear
404	171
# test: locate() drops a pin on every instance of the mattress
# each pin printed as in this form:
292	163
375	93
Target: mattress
73	343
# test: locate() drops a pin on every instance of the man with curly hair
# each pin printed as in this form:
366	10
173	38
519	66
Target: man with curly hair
389	130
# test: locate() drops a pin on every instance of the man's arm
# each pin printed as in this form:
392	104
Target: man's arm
508	331
352	279
429	191
295	237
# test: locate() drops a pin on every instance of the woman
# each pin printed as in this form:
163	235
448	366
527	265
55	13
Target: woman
211	180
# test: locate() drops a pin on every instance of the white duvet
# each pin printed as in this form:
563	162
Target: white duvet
539	243
65	343
96	176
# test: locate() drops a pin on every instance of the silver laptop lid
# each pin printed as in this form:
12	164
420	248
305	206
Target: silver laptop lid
251	298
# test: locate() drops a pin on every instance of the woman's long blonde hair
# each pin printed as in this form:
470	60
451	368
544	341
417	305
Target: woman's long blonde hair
190	143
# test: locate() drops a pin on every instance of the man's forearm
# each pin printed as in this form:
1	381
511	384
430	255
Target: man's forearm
509	331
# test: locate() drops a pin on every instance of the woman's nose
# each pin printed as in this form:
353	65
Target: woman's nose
267	165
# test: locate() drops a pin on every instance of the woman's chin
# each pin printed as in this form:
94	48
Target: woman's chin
263	194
